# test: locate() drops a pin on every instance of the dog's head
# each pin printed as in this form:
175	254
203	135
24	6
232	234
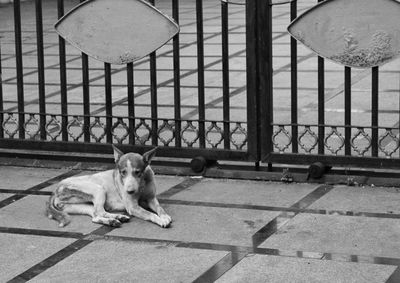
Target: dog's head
131	167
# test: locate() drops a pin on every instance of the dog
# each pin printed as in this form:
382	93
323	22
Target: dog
129	187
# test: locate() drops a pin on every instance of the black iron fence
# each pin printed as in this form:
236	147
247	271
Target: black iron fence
139	118
221	89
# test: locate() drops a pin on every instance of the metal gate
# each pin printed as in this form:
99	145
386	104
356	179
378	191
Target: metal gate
331	114
177	98
233	85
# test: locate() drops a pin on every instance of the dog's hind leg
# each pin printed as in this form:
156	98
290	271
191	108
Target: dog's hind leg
100	215
54	212
88	209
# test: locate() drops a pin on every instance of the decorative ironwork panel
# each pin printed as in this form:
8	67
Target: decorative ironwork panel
281	139
307	139
334	141
120	130
388	143
10	125
190	133
142	132
214	135
53	128
166	133
238	136
361	142
31	126
75	128
97	129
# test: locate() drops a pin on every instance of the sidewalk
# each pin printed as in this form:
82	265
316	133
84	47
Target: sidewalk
230	230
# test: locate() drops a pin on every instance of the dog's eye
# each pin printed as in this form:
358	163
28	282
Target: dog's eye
123	172
138	172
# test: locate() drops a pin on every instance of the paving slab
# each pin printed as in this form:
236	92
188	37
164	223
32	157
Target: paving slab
20	252
202	224
264	268
362	199
29	213
339	234
119	261
4	196
246	192
27	176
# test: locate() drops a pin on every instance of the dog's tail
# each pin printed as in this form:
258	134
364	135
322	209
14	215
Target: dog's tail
56	213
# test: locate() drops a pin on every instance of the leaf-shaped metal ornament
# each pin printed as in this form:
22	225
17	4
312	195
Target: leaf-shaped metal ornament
354	33
116	31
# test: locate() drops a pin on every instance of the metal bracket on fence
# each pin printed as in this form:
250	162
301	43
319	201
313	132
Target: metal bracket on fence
287	177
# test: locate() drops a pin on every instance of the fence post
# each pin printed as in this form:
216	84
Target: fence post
259	78
253	128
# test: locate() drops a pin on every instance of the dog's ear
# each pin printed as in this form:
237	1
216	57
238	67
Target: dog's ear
117	153
147	156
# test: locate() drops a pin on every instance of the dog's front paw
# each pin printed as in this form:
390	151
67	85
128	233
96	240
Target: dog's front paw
165	220
114	223
123	218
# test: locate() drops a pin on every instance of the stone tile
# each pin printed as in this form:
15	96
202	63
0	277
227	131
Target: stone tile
365	199
27	177
264	268
165	182
21	252
29	213
119	261
246	192
4	196
202	224
339	234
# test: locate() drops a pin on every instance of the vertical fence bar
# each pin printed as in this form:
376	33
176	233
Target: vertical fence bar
177	77
86	97
321	105
225	73
347	110
153	91
40	61
264	54
1	98
108	94
20	74
63	77
131	102
293	82
200	72
374	108
252	80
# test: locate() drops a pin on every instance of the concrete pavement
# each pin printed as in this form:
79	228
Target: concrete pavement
224	230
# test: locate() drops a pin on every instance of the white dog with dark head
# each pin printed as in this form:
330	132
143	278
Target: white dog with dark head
129	187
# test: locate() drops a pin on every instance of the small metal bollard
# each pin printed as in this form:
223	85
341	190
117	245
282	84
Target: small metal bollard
316	170
199	163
